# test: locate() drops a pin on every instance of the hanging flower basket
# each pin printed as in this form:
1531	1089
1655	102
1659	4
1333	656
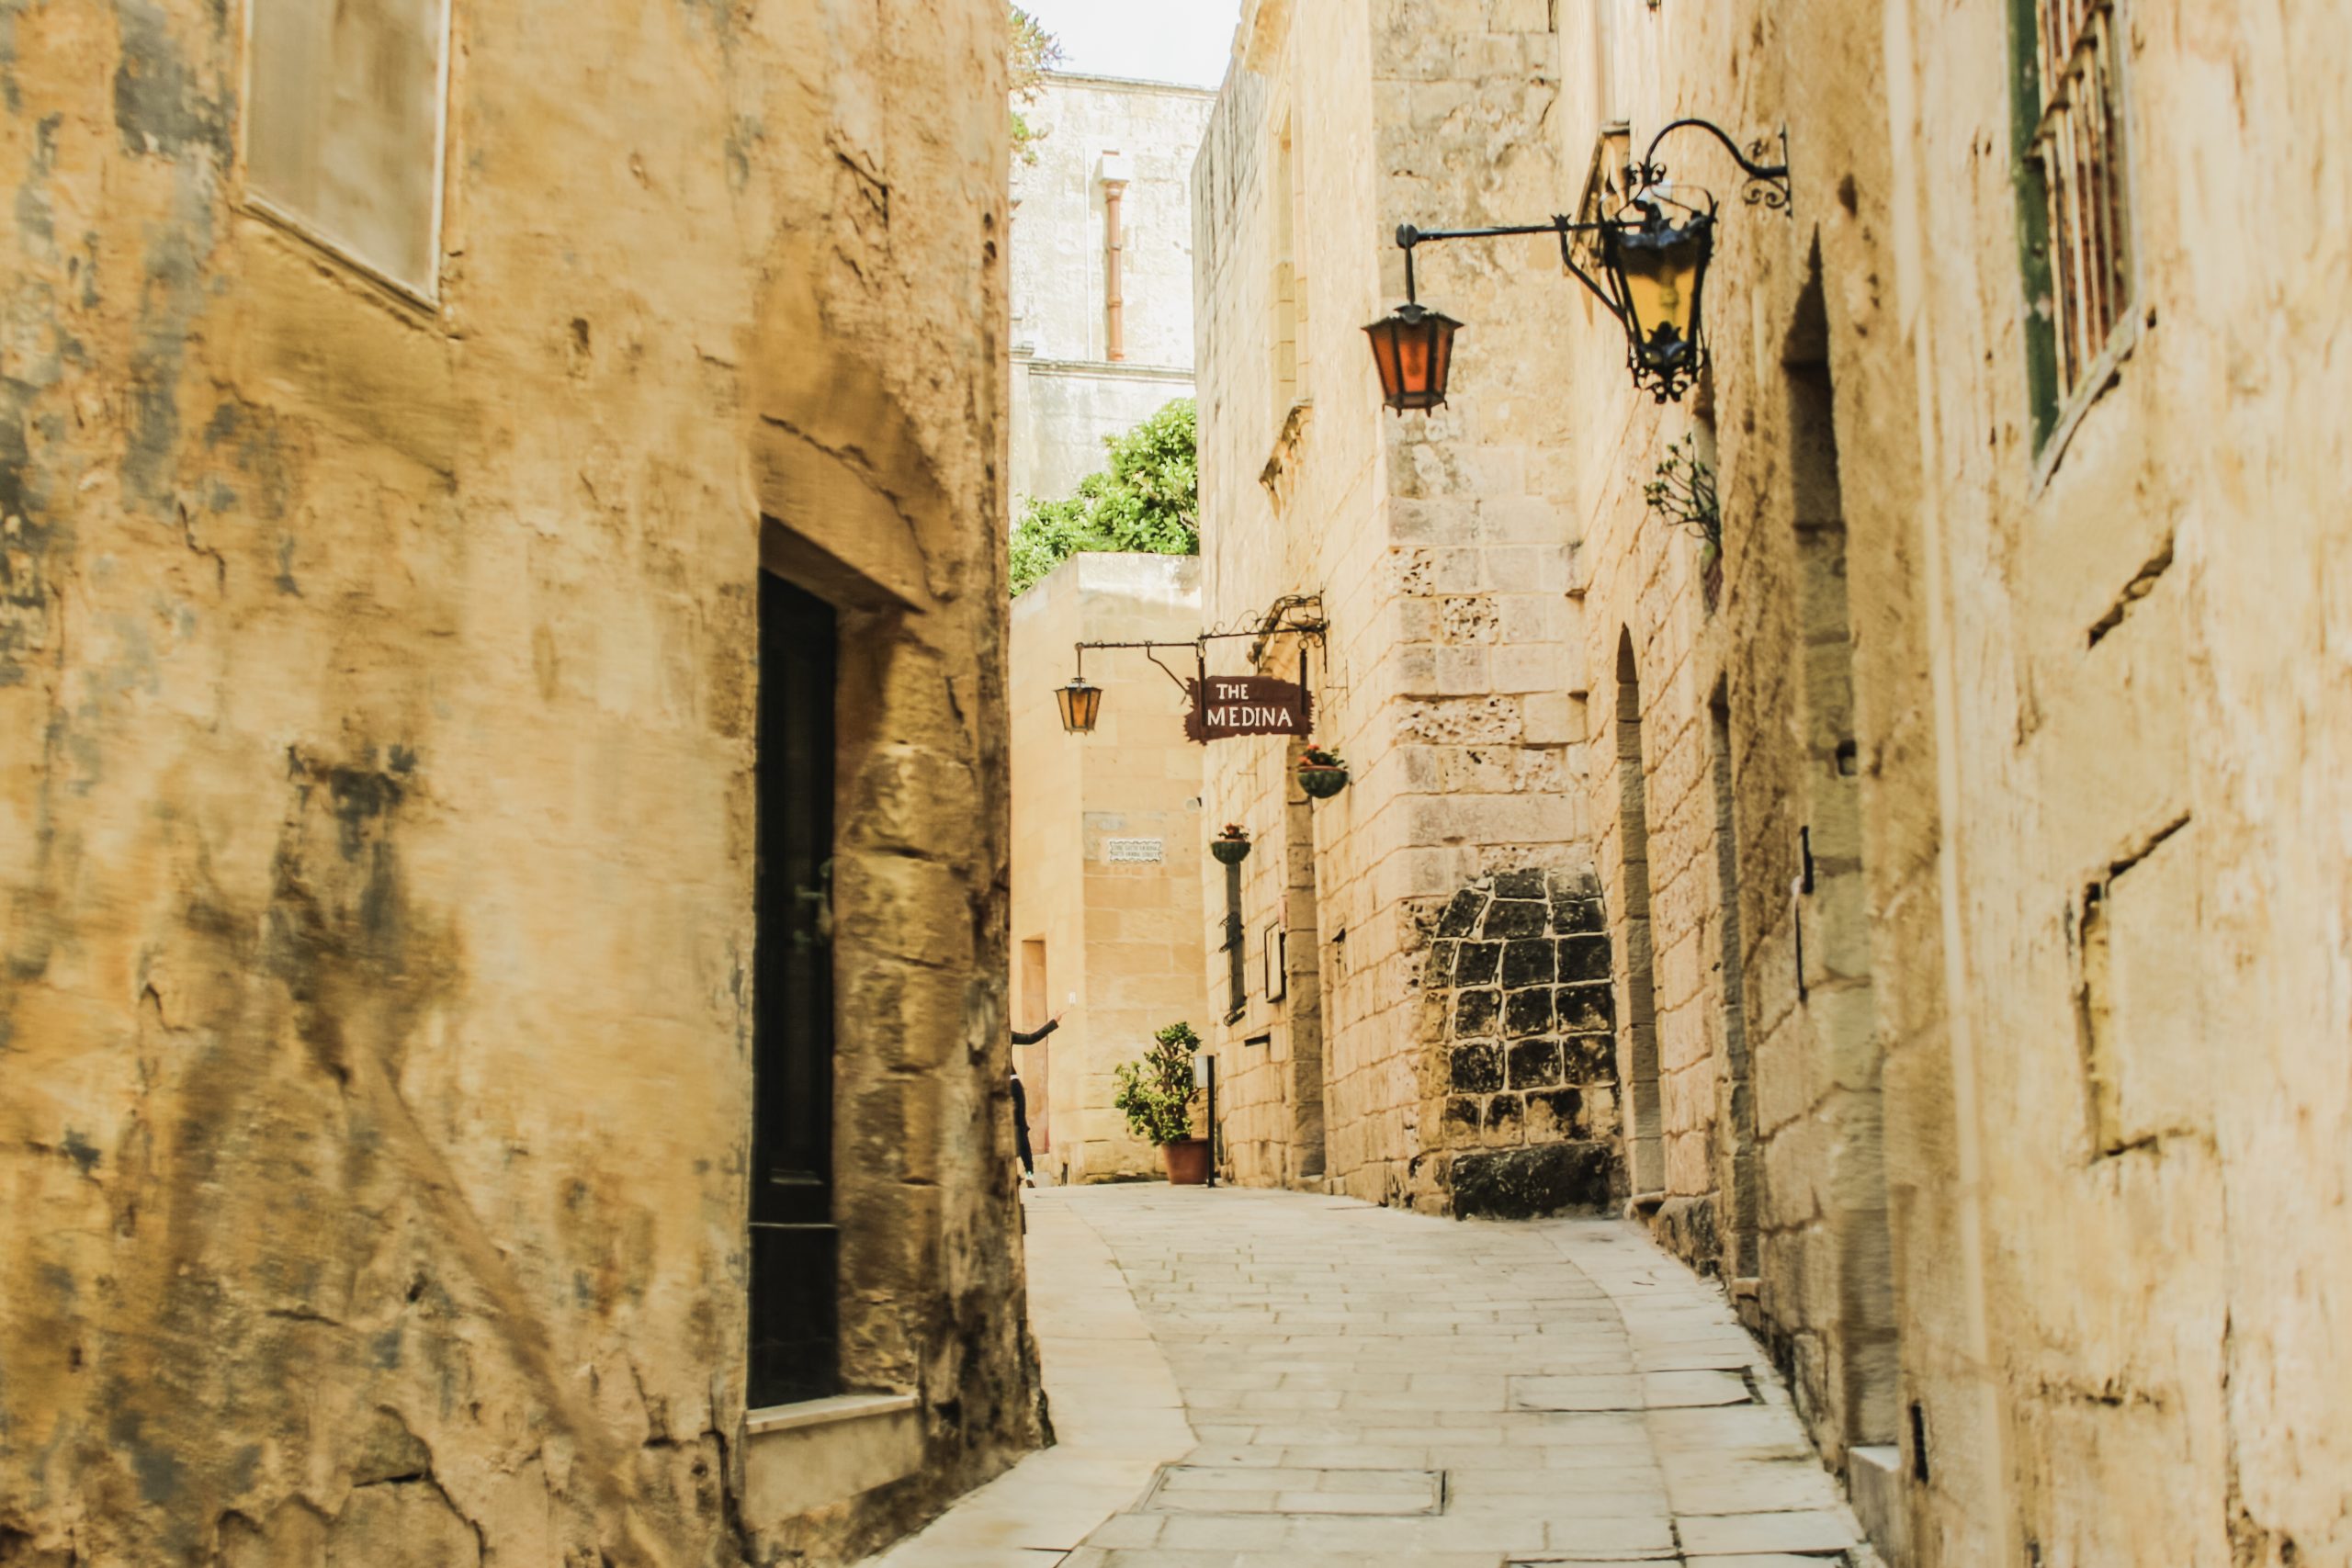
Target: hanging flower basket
1232	846
1321	773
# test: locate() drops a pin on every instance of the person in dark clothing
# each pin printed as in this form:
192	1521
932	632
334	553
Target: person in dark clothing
1020	1098
1031	1037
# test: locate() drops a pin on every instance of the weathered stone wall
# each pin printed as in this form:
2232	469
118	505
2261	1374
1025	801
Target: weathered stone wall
1727	767
1439	546
376	823
2141	702
2057	1264
1121	934
1067	393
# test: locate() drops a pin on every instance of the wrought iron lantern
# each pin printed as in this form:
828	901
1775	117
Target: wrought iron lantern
1653	252
1081	705
1657	269
1413	347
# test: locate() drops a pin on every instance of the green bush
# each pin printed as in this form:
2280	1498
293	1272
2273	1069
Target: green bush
1156	1093
1148	500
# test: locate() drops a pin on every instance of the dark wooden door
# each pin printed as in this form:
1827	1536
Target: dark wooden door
795	1265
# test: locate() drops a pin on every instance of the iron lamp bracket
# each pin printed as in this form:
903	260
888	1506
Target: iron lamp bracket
1765	185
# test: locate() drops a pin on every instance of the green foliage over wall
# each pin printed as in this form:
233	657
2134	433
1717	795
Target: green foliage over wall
1034	52
1148	500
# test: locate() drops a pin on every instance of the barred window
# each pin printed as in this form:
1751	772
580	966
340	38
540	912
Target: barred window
2077	157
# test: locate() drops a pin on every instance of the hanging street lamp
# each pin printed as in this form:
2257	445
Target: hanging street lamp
1413	347
1653	254
1657	267
1081	703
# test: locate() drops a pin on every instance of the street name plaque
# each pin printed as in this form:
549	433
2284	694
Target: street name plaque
1225	706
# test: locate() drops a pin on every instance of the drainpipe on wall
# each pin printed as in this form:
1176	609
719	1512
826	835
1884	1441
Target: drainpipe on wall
1115	187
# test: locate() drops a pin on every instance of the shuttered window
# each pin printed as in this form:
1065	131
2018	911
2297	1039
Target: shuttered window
2074	197
344	128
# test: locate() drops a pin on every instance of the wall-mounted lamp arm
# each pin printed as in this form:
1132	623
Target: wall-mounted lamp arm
1768	184
1408	236
1147	652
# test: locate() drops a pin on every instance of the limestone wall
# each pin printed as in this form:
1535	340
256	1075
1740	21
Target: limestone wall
2056	1264
1107	865
1068	394
376	789
2141	727
1726	763
1439	549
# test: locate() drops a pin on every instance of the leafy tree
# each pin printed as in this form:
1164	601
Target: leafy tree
1034	52
1149	499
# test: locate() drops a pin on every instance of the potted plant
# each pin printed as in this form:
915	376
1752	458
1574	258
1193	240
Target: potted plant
1231	847
1322	773
1157	1095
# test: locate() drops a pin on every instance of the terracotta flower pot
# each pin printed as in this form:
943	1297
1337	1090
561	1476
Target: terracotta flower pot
1322	783
1229	851
1188	1162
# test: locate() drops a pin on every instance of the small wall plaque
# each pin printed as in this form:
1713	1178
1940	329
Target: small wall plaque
1135	851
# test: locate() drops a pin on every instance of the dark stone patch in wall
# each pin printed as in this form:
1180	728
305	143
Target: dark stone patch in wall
1527	883
1475	1013
1534	1064
1555	1114
1588	1058
1688	1226
1461	1118
1529	963
36	224
1545	1179
174	294
1528	1012
158	106
1585	1010
1503	1119
81	1151
26	539
1515	917
1477	1068
1517	966
1583	958
1579	913
1463	913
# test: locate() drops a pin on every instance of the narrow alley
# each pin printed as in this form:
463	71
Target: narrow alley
1241	1378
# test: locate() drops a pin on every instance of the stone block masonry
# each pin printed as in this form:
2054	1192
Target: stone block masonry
381	688
1440	550
1516	985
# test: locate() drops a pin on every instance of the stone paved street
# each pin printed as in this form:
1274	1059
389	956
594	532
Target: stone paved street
1365	1387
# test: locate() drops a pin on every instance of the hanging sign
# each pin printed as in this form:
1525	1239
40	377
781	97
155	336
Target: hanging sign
1225	706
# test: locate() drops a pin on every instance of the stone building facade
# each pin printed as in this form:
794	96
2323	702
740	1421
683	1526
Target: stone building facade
1107	855
1430	1031
1968	827
1099	341
400	743
1984	796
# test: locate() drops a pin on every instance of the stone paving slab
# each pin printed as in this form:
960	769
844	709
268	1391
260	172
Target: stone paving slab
1250	1379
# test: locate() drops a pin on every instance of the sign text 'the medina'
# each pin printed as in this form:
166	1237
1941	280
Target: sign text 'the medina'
1246	705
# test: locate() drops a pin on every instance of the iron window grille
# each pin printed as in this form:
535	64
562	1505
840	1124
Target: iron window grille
2077	206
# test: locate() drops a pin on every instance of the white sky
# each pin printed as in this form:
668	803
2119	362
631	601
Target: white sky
1160	40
